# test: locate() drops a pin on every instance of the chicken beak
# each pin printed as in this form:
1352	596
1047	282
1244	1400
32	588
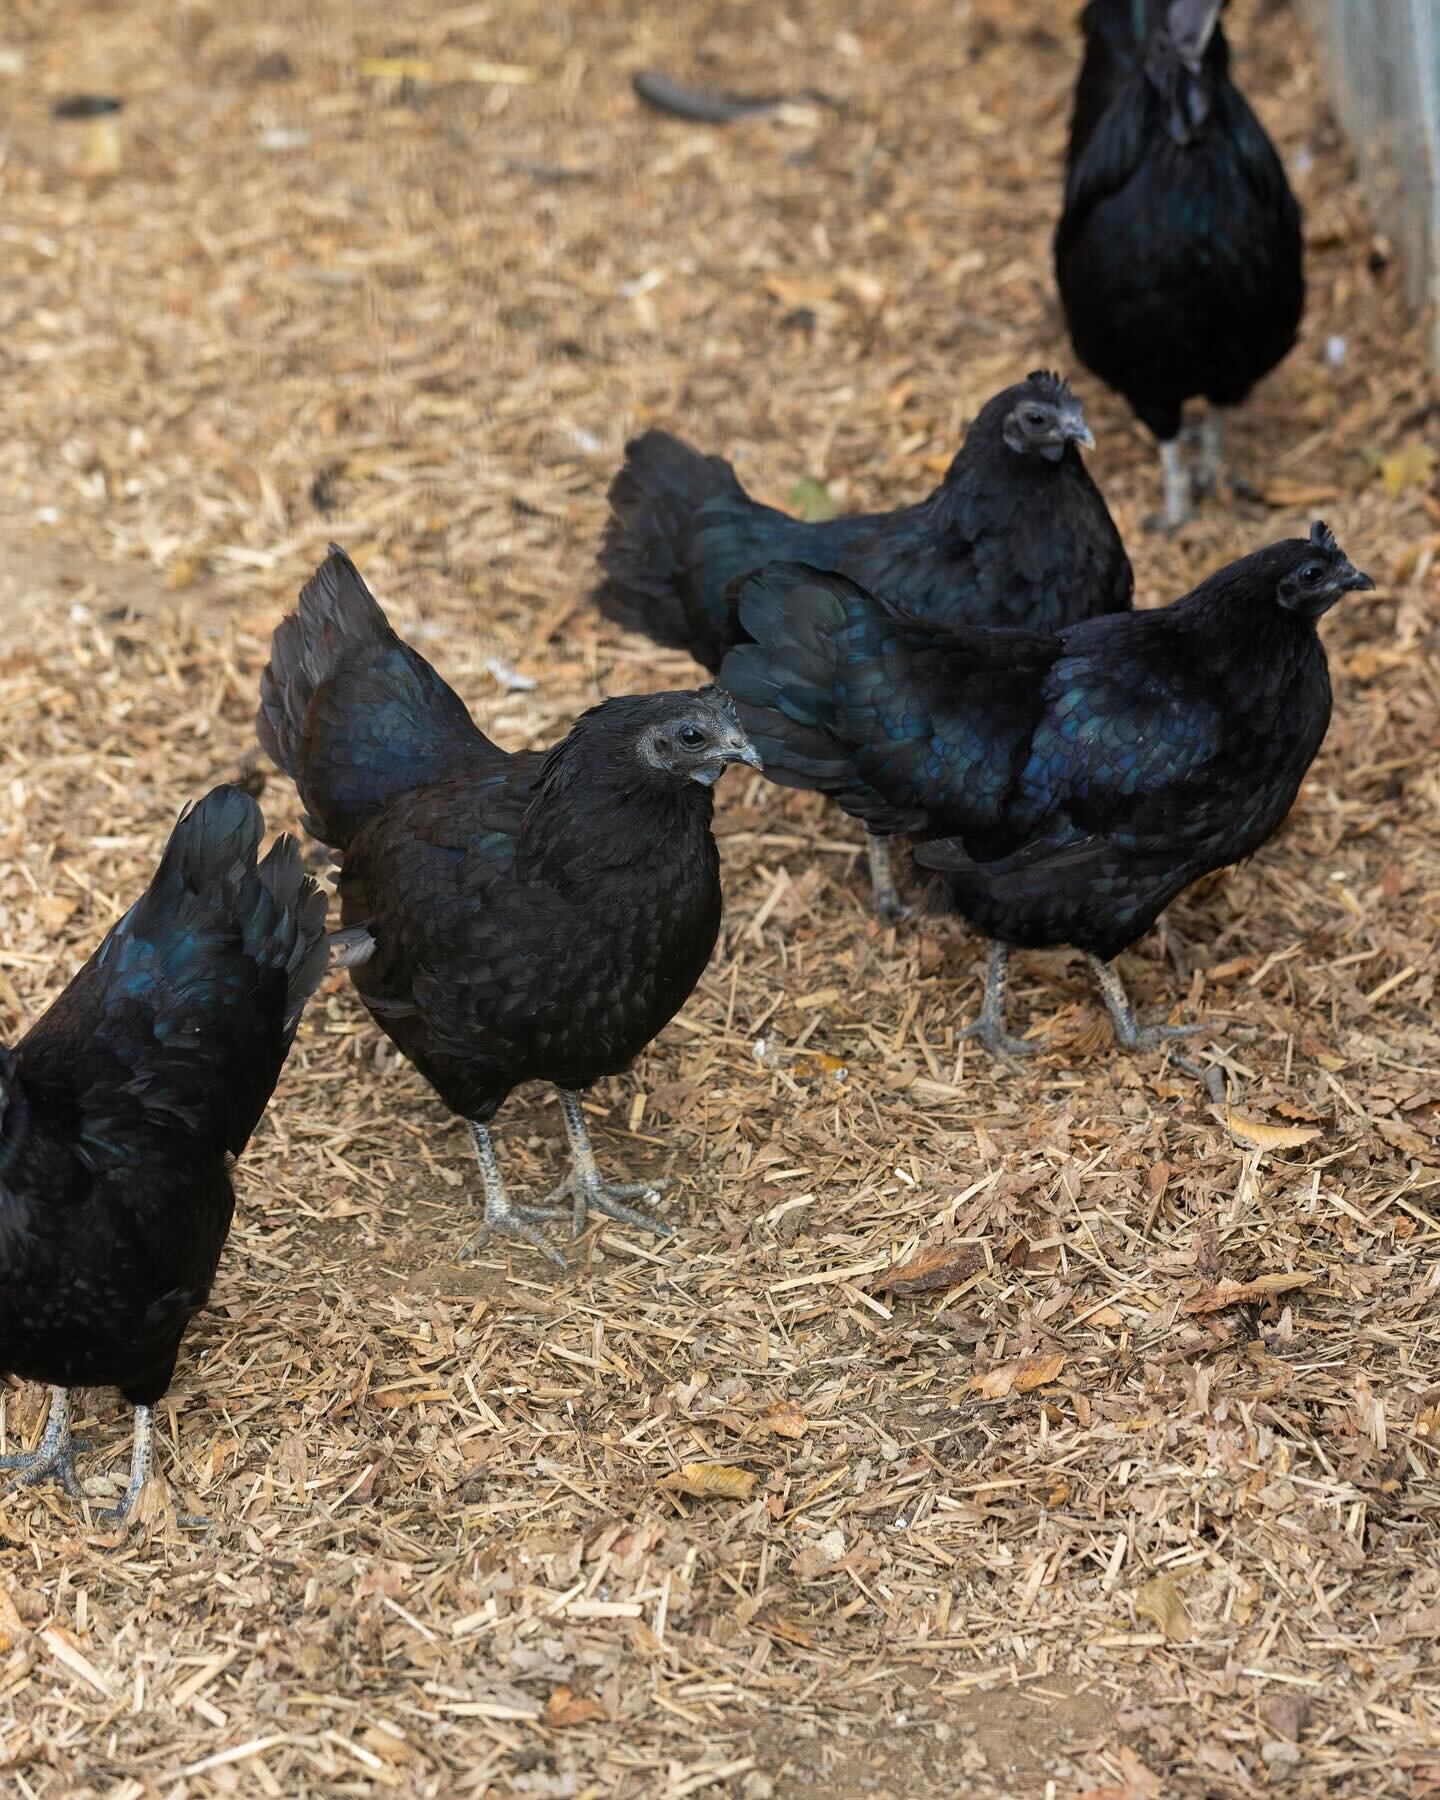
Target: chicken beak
741	750
736	749
1081	434
1357	581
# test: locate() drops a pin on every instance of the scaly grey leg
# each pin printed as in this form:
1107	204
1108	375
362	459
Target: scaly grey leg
500	1213
1177	485
141	1452
1172	948
990	1026
584	1188
1129	1032
1210	464
884	893
53	1455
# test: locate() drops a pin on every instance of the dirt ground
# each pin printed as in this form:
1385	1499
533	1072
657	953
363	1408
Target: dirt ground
1137	1497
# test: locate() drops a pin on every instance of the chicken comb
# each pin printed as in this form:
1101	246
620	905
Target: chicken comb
1051	380
1324	538
718	698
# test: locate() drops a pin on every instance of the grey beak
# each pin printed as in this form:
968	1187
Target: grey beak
1356	581
741	750
1080	433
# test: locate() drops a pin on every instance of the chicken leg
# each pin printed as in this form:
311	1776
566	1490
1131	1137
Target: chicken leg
884	893
1210	463
990	1026
584	1187
1177	487
53	1455
141	1454
501	1214
1129	1032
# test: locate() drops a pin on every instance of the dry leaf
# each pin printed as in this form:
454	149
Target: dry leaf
1408	467
811	500
386	1744
796	293
1277	491
1139	1782
1247	1293
1106	1315
782	1628
53	910
1018	1375
705	1481
563	1708
785	1419
1367	661
826	996
1261	1136
1404	1139
1280	1282
104	148
1159	1601
941	1266
1408	559
12	1626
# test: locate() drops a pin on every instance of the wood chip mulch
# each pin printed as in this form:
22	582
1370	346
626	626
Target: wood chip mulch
982	1431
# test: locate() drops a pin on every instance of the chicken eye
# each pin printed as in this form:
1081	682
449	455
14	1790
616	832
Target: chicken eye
1035	417
1313	574
691	736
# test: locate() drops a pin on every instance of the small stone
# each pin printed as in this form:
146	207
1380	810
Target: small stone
1285	1714
757	1786
1279	1757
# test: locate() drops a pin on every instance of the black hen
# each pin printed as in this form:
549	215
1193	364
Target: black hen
1068	785
1016	534
1178	253
536	917
120	1108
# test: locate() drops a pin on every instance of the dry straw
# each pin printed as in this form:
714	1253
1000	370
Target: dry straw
1126	1484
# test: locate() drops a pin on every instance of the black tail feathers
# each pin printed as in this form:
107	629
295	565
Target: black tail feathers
351	712
646	584
336	611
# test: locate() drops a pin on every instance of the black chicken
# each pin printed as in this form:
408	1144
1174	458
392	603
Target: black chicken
119	1109
537	916
1178	253
1069	785
1016	534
